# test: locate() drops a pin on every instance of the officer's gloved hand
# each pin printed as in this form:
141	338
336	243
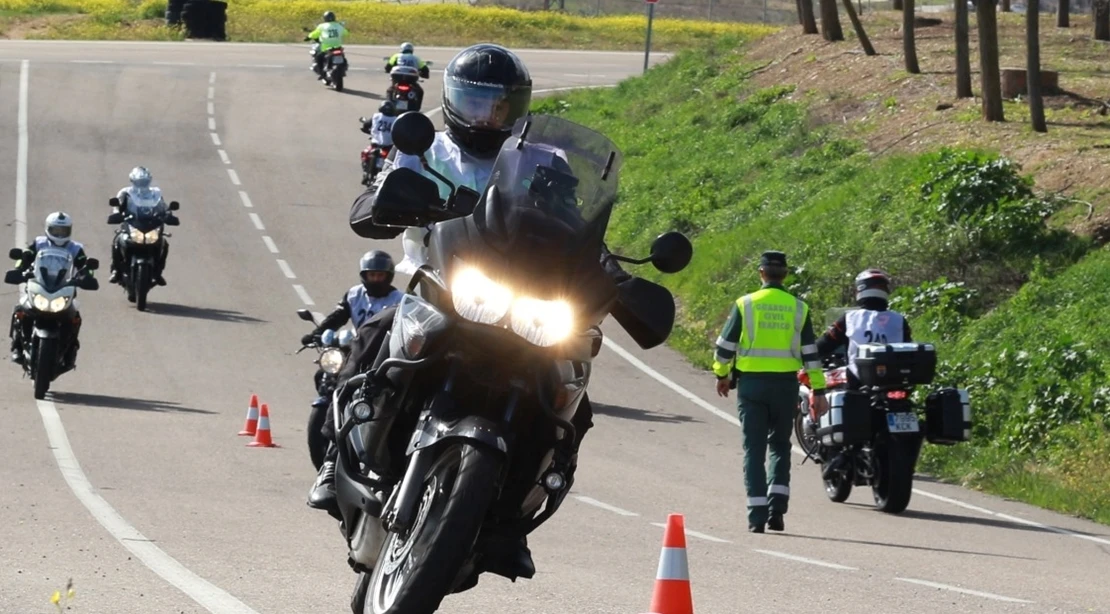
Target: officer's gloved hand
308	339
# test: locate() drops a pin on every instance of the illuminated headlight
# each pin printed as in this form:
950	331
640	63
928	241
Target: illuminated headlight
362	411
416	322
53	306
478	298
138	236
331	361
544	323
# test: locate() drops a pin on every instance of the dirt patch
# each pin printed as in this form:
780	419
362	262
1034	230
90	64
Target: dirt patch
17	27
876	100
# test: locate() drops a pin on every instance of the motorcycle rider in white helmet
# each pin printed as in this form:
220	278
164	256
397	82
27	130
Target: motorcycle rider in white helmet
58	233
139	194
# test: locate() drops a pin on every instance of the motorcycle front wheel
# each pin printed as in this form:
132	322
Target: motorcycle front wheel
417	570
45	362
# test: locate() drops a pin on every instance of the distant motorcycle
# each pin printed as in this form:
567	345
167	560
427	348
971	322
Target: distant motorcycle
334	66
404	89
373	156
141	237
877	431
333	351
49	300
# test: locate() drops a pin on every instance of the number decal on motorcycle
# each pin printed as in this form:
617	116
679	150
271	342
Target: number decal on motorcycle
873	338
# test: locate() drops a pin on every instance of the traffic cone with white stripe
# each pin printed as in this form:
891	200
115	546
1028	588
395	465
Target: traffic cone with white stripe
251	425
672	580
262	437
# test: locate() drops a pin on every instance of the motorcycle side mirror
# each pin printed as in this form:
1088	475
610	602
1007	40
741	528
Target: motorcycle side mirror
405	198
88	283
671	252
174	205
15	253
413	133
171	220
115	218
113	201
305	315
92	264
13	277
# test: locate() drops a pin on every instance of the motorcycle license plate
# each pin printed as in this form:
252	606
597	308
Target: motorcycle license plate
337	59
902	423
401	104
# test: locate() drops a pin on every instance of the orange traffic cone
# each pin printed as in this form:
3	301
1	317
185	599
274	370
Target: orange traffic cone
672	579
252	418
262	437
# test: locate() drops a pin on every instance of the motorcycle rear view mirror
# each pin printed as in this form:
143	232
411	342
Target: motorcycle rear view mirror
671	252
92	264
87	283
413	133
113	201
174	205
645	310
405	198
305	315
171	220
15	253
13	277
115	218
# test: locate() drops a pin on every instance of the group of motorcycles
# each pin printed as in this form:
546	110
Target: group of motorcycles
47	306
873	436
404	89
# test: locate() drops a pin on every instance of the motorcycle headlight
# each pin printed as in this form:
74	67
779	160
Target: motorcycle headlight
544	323
331	361
152	236
478	298
42	303
137	236
417	321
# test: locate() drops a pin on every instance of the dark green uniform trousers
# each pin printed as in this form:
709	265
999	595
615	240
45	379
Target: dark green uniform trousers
766	402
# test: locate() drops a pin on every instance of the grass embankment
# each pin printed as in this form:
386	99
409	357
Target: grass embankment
743	168
368	22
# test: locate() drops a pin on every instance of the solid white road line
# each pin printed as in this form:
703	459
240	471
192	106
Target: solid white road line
233	175
246	199
604	506
305	298
802	559
257	221
695	534
174	63
270	245
223	156
92	61
208	595
21	157
285	269
261	65
965	591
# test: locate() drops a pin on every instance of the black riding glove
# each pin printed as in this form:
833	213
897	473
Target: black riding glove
308	339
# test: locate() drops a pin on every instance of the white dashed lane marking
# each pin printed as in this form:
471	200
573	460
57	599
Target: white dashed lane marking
270	245
223	156
257	221
215	137
233	175
285	269
246	200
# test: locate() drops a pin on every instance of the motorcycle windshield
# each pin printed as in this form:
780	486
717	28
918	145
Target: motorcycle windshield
53	268
551	192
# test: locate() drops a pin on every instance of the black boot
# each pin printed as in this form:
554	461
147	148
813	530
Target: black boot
775	523
322	495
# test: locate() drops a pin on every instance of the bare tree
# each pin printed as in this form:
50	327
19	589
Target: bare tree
1101	9
1006	6
896	5
909	46
798	6
809	22
1063	14
963	52
858	26
990	80
1033	64
830	21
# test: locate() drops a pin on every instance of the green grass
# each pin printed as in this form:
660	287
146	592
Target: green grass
742	170
373	23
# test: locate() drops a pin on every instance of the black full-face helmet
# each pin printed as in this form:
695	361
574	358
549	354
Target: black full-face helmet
486	89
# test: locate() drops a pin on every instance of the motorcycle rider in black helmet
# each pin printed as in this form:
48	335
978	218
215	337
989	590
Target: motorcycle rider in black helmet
486	89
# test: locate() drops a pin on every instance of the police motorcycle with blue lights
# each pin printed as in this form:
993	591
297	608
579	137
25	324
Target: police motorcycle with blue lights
362	301
140	246
459	440
875	425
46	322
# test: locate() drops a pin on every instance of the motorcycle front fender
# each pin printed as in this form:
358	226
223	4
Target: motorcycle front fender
474	428
47	333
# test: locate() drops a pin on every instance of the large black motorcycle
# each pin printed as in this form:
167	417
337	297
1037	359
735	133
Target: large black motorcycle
141	237
47	310
873	435
458	441
333	350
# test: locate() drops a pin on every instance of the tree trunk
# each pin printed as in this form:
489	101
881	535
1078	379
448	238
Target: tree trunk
1006	6
1033	64
830	21
1063	14
798	8
809	22
963	52
858	26
896	5
909	46
1101	10
990	80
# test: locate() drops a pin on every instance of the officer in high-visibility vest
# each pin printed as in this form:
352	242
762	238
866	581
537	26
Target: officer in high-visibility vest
769	337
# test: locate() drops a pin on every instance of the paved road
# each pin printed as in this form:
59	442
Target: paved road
159	507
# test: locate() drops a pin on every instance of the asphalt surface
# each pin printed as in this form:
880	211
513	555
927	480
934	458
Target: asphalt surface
131	479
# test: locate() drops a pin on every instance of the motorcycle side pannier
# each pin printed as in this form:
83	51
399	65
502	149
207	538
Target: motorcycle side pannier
948	417
848	421
896	364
